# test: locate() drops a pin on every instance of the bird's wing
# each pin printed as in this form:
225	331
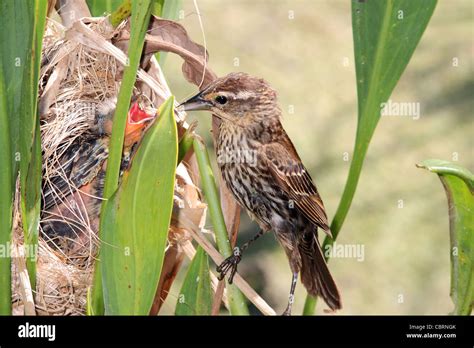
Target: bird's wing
286	167
80	165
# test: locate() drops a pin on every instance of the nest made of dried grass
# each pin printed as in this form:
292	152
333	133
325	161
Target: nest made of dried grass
75	80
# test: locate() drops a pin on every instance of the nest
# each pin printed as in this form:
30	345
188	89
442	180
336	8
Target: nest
76	80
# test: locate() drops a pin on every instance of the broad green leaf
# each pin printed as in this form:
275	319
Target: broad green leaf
21	33
195	297
458	183
136	220
139	24
236	299
385	35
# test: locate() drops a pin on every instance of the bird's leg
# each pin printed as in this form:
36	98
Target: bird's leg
291	297
230	263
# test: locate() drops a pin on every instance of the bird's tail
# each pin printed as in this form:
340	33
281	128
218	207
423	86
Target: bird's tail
315	274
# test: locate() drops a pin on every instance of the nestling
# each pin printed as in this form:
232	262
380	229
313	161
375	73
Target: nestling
71	198
262	169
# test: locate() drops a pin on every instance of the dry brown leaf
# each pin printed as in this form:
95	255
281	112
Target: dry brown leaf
175	34
169	36
171	264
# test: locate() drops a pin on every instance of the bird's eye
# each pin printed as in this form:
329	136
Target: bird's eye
221	99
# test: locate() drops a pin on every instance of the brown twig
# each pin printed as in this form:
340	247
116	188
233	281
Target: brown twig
246	289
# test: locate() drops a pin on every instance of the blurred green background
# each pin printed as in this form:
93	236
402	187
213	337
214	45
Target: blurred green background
399	215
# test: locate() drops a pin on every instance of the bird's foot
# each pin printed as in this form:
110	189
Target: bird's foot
287	312
230	264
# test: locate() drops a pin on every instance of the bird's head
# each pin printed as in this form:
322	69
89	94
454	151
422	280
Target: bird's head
237	97
137	120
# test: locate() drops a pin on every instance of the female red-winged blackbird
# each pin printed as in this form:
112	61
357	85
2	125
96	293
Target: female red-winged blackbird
262	169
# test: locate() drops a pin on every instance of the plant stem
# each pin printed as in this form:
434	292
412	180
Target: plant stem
236	299
360	150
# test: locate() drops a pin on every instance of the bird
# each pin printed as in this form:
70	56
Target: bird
71	198
263	171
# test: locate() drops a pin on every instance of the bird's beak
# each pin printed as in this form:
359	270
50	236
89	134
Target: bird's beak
195	103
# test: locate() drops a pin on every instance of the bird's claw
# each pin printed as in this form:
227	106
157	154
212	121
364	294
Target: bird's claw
229	264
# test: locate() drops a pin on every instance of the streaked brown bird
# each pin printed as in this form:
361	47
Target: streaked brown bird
262	169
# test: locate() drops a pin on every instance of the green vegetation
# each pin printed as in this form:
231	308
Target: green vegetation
134	226
386	34
458	183
21	33
196	294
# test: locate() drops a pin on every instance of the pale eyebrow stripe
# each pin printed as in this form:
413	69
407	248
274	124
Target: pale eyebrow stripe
239	95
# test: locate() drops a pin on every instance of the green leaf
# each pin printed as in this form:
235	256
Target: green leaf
157	7
139	24
21	33
185	143
171	9
30	142
7	187
385	35
31	204
458	183
121	13
141	11
137	218
236	299
101	7
195	297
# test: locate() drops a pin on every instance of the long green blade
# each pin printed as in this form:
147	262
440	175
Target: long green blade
21	33
458	183
385	35
141	10
195	297
30	143
7	187
136	221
